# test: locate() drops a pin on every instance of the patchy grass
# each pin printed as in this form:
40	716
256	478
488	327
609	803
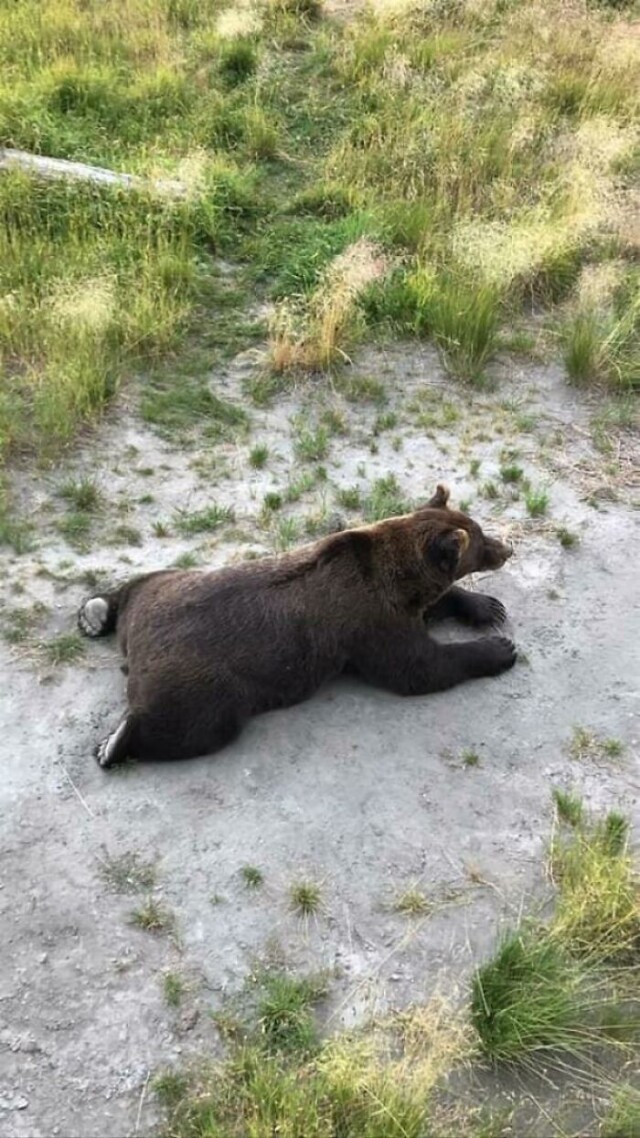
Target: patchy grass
567	538
127	873
470	758
153	917
83	494
349	497
285	1015
311	445
587	744
173	987
258	456
252	876
536	500
64	649
305	897
203	521
623	1119
412	903
569	806
385	500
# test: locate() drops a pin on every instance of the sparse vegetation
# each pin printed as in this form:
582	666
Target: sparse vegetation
305	897
536	501
173	988
586	744
567	538
569	806
385	500
153	917
64	649
412	903
470	758
203	521
127	873
252	876
258	456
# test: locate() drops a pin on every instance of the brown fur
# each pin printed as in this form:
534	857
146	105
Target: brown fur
207	650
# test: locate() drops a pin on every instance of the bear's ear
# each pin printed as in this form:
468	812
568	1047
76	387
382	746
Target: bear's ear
440	498
446	548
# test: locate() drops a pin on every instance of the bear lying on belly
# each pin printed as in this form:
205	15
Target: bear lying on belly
207	650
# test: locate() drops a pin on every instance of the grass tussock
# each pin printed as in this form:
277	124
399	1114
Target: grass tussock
557	988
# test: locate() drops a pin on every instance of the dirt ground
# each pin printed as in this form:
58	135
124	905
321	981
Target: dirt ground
360	791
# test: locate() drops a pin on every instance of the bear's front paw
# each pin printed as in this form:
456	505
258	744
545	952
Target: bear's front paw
501	654
487	610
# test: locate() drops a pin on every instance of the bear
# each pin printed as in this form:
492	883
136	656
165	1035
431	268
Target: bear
206	650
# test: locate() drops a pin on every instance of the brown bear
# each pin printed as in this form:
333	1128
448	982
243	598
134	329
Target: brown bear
207	650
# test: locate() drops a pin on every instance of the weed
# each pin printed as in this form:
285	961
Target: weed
598	907
83	494
170	1088
511	473
153	917
126	535
203	521
127	873
490	490
284	1013
349	497
161	529
20	623
567	538
536	501
470	758
186	560
75	528
526	999
305	897
623	1119
386	421
173	988
474	467
286	532
312	445
272	501
65	649
302	485
385	500
252	876
258	456
569	806
612	748
364	389
412	903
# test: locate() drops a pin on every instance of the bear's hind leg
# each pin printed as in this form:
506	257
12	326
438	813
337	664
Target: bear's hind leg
118	746
97	616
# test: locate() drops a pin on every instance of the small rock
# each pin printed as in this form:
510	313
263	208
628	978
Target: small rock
19	1102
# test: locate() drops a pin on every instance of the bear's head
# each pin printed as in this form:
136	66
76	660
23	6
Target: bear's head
453	544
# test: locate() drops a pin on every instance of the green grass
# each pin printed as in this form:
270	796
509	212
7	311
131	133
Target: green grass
173	988
349	497
203	521
623	1119
272	501
567	538
311	445
569	806
412	903
536	500
385	500
258	456
65	649
470	758
252	876
153	917
82	493
526	999
127	873
284	1013
305	897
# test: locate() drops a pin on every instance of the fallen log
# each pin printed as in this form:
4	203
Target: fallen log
38	165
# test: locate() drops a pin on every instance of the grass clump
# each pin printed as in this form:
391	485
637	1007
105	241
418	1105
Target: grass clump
412	903
569	806
65	649
385	500
173	988
83	493
349	497
258	456
305	897
203	521
526	999
598	907
536	500
252	876
285	1017
152	917
127	873
623	1119
567	538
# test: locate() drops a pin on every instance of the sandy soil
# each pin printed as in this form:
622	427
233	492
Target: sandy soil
361	791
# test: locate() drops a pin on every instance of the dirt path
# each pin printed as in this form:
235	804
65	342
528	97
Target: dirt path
362	792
